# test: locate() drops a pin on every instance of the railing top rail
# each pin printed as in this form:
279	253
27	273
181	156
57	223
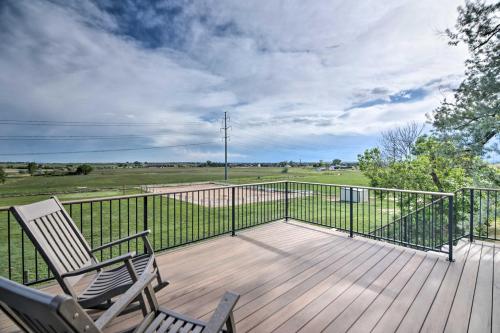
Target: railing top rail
444	194
480	189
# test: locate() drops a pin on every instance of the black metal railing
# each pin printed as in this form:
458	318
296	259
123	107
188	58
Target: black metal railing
477	213
422	220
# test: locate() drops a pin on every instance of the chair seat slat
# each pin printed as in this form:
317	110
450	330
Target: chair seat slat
155	323
165	325
186	328
176	326
198	329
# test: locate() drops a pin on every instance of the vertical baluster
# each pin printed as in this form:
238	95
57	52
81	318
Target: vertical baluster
450	228
120	224
9	246
110	228
100	226
174	203
128	223
161	220
168	220
180	216
91	225
136	221
487	213
198	213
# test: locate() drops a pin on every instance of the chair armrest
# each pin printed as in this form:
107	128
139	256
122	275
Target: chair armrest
223	314
99	265
142	234
125	299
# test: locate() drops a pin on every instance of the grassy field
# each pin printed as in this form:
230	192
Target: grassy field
110	182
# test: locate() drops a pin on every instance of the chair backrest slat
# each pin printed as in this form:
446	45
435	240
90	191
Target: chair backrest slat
56	237
37	312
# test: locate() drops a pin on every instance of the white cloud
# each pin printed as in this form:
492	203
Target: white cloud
292	68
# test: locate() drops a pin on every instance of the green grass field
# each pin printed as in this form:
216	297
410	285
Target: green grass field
110	182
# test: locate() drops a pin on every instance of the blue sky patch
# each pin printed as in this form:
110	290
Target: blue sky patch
403	96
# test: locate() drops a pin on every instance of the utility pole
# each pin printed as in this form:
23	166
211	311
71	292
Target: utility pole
225	128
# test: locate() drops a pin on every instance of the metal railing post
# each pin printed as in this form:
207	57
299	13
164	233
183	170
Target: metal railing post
350	213
471	216
286	201
450	228
233	212
145	215
405	231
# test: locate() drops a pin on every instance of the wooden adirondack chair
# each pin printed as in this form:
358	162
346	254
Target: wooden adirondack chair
37	312
69	256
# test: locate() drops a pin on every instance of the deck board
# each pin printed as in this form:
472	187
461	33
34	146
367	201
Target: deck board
458	319
437	315
480	318
298	277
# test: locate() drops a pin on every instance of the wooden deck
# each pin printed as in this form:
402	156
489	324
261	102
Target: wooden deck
294	277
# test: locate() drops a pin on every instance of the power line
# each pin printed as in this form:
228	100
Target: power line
106	150
68	136
86	123
82	138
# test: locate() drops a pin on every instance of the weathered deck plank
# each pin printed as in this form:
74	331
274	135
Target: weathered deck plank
297	277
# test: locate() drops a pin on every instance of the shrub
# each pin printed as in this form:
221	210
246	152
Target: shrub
84	169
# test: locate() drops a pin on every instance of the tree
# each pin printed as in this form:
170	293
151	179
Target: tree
398	143
434	165
32	168
3	175
472	118
336	161
84	169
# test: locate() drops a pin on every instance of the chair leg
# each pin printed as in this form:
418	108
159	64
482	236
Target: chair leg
230	327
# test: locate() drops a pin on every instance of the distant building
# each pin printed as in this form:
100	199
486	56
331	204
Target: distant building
358	194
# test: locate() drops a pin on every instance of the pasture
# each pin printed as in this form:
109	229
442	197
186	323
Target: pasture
103	182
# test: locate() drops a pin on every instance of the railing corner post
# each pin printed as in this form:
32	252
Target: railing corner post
471	216
351	234
233	212
286	201
450	228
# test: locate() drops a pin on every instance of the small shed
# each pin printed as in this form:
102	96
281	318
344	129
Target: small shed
358	194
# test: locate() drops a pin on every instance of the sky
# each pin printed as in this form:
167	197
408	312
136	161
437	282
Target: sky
98	81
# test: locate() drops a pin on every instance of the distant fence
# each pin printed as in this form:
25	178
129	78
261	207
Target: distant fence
416	219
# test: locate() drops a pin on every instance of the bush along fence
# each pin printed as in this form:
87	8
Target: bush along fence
427	221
